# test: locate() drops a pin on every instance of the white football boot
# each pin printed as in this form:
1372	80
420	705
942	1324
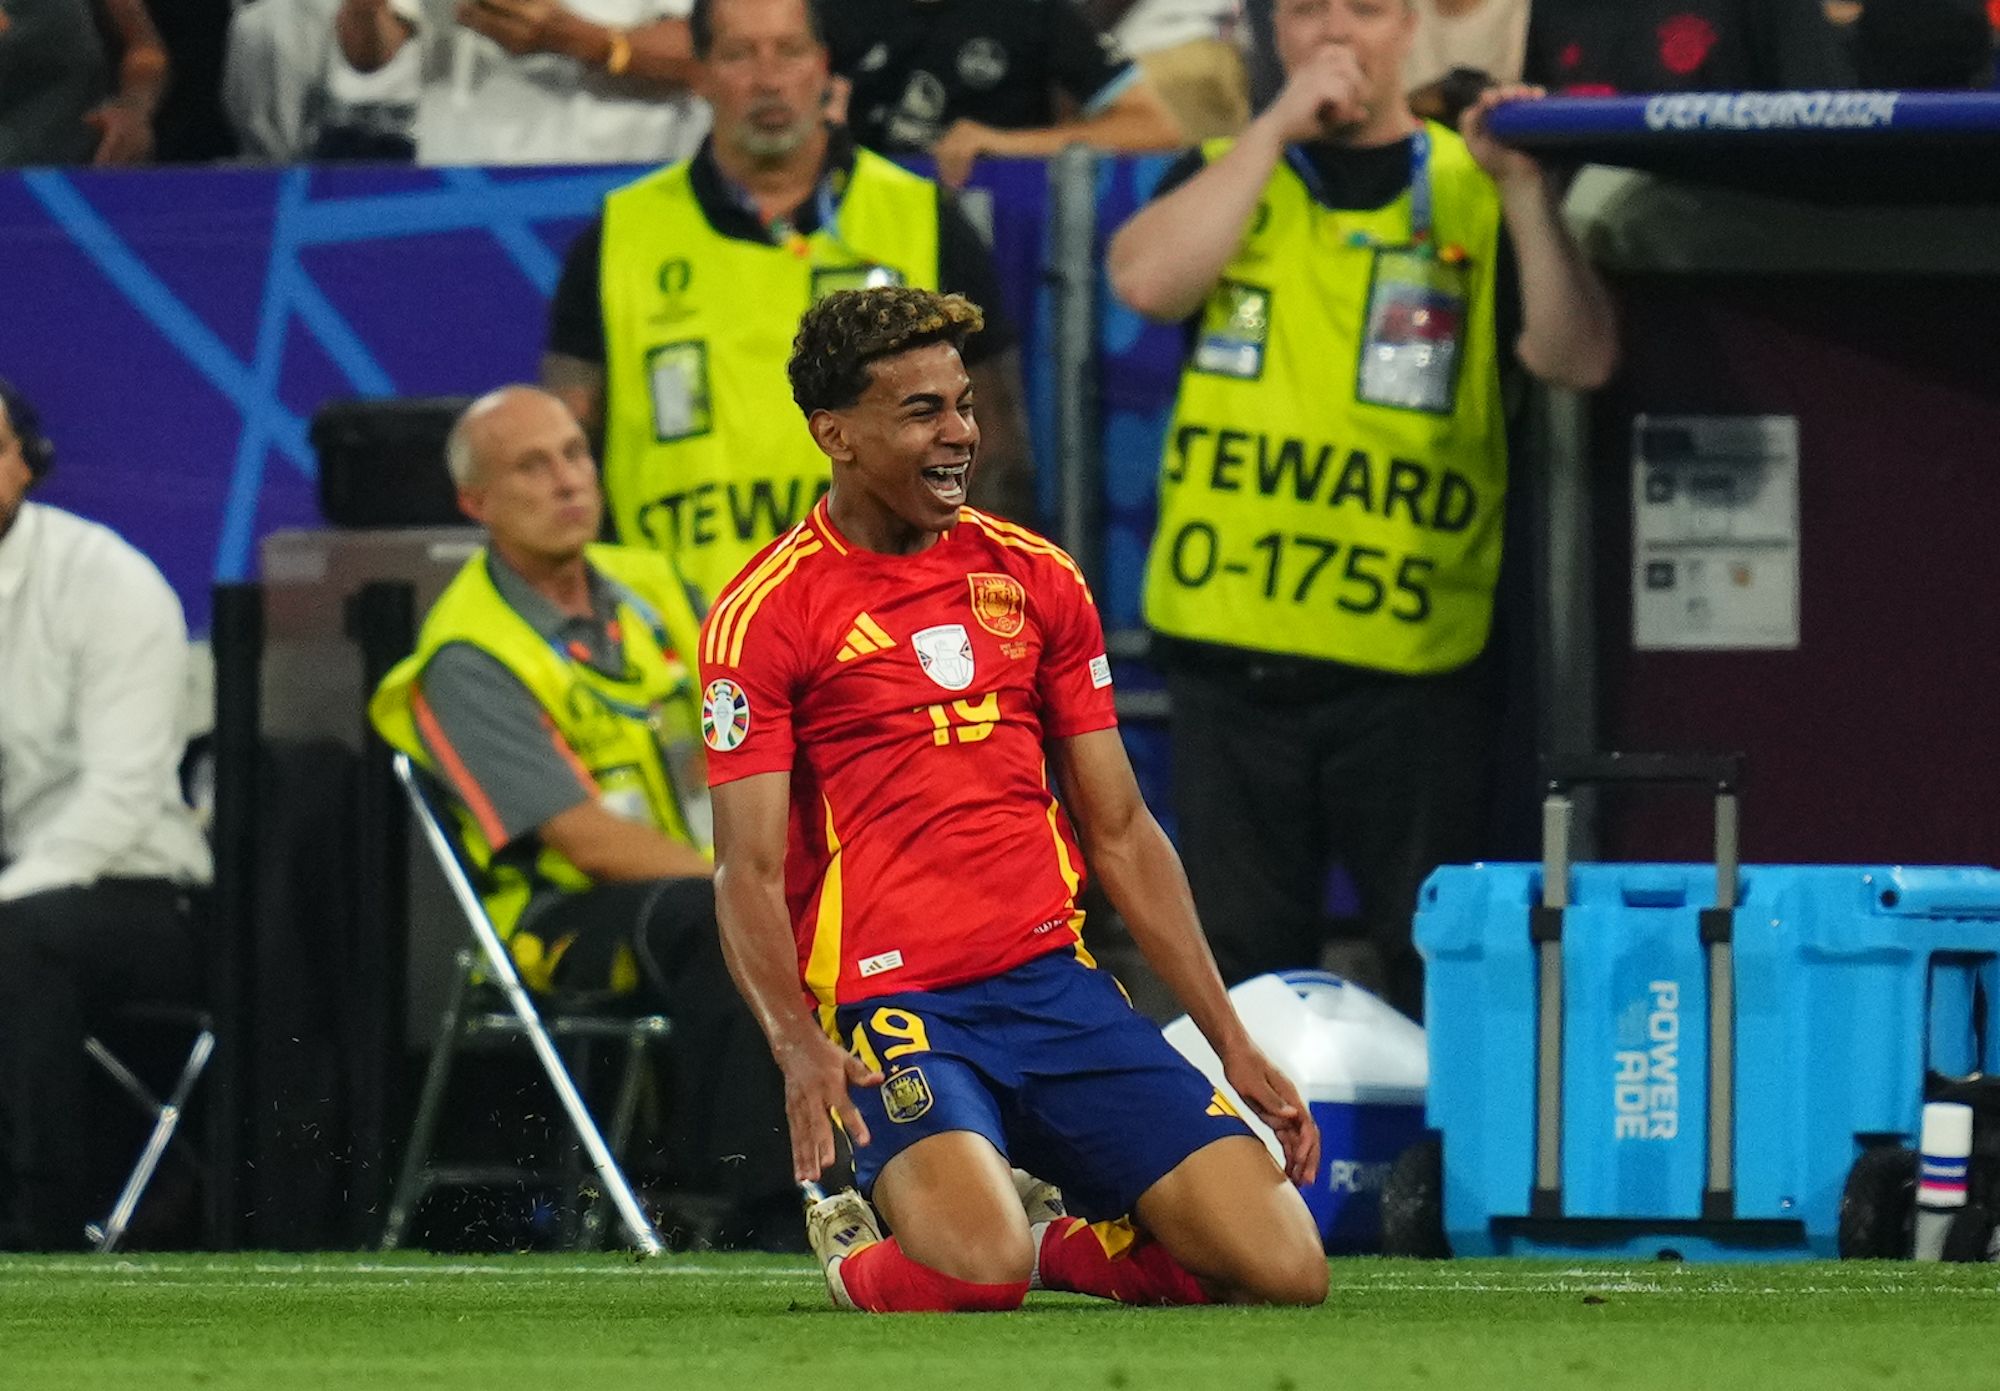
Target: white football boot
837	1226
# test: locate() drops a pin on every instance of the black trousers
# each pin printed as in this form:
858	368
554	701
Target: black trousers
68	957
1387	775
729	1104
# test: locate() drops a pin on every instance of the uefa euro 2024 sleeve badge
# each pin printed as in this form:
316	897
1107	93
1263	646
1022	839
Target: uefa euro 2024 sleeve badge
725	715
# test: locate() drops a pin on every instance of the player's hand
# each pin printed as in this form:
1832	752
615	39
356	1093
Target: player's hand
818	1073
1325	96
124	132
958	148
519	26
1503	165
1277	1103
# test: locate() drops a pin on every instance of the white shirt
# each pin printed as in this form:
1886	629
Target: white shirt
476	103
1492	37
93	672
1152	25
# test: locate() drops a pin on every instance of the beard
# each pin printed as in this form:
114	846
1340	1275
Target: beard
770	142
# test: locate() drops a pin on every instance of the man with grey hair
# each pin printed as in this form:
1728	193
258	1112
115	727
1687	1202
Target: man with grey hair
552	692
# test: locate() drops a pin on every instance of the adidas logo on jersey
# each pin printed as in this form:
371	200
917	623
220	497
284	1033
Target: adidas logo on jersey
865	639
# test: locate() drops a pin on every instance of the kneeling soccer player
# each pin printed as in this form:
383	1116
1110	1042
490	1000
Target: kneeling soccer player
888	686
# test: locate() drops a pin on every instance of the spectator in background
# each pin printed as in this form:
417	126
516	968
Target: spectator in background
1918	44
552	690
80	82
1321	584
99	854
403	81
1461	47
191	124
274	84
1598	47
1188	50
1487	36
676	311
965	78
521	81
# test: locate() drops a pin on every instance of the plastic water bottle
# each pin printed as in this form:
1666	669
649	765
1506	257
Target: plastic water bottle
1941	1179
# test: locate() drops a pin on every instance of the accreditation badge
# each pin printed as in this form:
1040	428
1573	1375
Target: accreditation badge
1415	332
622	792
677	374
1234	330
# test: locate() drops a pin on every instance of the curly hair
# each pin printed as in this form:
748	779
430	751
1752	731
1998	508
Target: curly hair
849	329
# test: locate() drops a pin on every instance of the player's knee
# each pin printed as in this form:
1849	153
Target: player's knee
1292	1272
1298	1280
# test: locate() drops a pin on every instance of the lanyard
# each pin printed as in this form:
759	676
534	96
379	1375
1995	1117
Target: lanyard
1420	182
782	232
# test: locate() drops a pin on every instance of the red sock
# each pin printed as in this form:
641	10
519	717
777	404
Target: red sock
1113	1261
882	1280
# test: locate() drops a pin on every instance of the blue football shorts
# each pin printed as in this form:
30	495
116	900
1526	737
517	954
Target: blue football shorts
1052	1065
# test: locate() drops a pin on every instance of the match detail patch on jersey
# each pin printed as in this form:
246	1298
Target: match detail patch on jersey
725	715
881	964
1100	672
864	639
945	652
999	603
906	1094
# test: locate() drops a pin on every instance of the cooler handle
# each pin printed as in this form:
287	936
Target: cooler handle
1724	773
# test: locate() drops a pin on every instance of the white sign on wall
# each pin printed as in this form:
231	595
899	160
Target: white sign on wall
1715	532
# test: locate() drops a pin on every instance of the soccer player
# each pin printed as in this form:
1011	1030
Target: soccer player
889	686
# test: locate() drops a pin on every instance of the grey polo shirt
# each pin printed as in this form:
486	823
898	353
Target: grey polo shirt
498	737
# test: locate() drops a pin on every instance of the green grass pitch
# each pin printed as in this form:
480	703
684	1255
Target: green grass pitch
581	1323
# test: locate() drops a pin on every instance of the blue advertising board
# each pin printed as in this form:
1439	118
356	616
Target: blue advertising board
178	328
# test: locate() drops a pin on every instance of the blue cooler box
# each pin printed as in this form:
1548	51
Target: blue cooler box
1848	982
1360	1067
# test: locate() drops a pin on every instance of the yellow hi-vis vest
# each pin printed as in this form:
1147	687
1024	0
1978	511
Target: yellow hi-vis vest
705	455
1297	517
633	736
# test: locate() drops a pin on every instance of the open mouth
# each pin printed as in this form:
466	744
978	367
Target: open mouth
948	482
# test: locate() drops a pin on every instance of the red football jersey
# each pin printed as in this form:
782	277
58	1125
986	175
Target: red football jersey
909	698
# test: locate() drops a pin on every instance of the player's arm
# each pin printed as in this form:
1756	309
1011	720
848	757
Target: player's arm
751	815
1142	874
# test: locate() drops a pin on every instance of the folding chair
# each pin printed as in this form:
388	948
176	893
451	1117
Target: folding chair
463	1023
166	1115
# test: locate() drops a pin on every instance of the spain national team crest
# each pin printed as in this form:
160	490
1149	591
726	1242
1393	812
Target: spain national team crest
945	653
906	1094
999	603
725	715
